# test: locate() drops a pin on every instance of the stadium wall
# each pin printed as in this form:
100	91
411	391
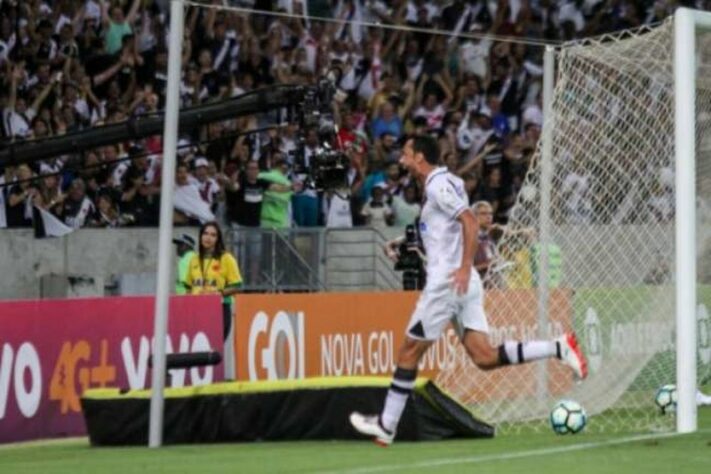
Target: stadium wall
92	253
99	254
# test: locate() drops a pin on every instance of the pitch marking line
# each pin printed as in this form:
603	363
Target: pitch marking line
506	456
70	441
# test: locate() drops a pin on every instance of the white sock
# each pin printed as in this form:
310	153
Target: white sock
701	399
392	411
400	389
520	352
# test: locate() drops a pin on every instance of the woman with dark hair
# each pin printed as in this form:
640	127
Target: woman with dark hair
214	270
107	214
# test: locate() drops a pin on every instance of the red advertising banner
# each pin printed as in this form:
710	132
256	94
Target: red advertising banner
53	350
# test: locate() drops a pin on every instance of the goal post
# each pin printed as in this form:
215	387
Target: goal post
616	209
170	143
685	23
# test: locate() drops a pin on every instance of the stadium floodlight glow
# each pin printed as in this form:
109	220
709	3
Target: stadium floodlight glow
165	235
611	234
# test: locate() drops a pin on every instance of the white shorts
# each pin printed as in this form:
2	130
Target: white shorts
438	304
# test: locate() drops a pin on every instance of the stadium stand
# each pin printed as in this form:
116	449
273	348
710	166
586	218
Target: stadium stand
69	65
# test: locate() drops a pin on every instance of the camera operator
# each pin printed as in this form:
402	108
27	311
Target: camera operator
305	203
406	252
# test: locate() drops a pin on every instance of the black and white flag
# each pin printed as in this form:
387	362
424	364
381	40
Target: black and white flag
47	224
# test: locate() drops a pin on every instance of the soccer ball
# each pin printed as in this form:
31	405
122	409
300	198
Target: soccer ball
528	193
666	398
567	416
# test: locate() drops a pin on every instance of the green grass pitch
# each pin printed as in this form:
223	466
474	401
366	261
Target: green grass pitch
544	453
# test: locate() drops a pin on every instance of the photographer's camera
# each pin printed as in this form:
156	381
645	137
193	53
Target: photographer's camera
409	261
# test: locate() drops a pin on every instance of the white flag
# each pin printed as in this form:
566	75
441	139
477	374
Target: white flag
187	199
47	224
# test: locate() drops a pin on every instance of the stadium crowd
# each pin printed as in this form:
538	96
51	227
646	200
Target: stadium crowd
68	65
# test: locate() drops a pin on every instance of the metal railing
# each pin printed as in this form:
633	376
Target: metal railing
312	259
354	260
277	260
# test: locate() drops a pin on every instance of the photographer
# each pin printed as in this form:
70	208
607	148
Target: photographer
406	252
305	202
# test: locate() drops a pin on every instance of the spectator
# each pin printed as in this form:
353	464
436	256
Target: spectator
49	195
377	212
661	203
472	184
20	198
207	186
76	208
406	208
95	174
18	119
486	254
117	24
475	131
185	249
387	150
494	191
348	134
244	193
190	208
387	121
431	108
132	202
356	176
576	194
474	57
106	213
396	179
275	205
70	64
337	210
5	179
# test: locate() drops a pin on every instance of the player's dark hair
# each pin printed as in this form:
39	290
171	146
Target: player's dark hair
428	146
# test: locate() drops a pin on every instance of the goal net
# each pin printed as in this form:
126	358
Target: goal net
609	238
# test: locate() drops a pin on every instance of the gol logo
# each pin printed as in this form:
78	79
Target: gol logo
276	346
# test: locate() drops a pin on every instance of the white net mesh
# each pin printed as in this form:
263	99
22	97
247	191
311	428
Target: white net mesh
611	244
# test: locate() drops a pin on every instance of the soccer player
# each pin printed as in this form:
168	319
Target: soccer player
449	231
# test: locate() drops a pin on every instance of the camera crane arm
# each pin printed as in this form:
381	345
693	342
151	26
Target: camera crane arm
260	100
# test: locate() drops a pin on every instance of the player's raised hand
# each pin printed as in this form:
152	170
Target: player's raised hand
460	279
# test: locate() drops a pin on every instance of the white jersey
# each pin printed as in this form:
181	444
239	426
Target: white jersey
441	232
